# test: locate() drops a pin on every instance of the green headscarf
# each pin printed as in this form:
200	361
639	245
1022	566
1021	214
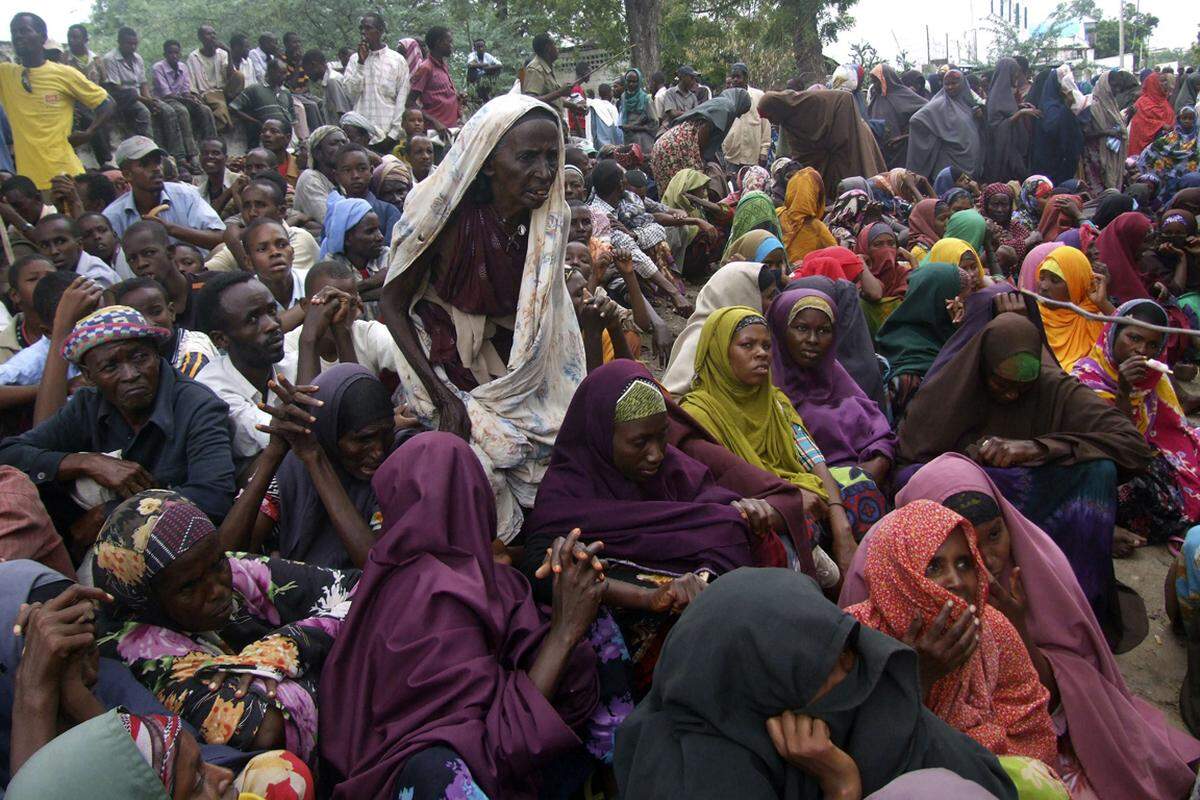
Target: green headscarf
968	225
754	422
754	210
633	104
686	180
96	759
916	331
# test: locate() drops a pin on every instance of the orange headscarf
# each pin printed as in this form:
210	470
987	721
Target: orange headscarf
800	217
1070	336
995	697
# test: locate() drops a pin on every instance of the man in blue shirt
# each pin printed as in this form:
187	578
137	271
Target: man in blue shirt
187	217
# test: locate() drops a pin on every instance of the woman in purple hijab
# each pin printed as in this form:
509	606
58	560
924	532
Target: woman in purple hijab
1110	741
847	425
449	681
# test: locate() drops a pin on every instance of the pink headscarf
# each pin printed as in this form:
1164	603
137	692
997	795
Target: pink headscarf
1126	747
1033	259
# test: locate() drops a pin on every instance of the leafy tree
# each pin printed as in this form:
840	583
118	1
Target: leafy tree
864	53
1138	28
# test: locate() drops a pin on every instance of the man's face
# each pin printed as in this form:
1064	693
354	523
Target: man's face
371	32
208	37
127	45
76	41
444	46
98	238
147	256
275	74
144	174
354	173
212	157
257	162
171	54
315	68
22	293
269	251
269	45
291	43
480	47
737	79
125	373
153	304
56	240
259	201
29	207
27	39
250	325
687	83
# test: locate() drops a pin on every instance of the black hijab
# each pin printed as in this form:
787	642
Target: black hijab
1007	139
760	642
1057	134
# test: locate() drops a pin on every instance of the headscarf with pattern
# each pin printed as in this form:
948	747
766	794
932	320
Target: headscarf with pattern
156	737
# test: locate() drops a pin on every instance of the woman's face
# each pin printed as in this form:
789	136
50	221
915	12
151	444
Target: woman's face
940	219
328	148
999	209
995	545
631	82
750	355
841	668
776	259
363	451
364	239
524	164
195	779
394	190
968	261
273	137
952	83
1187	121
882	246
640	446
195	591
809	337
768	294
1005	391
953	568
1053	287
1133	341
573	186
960	203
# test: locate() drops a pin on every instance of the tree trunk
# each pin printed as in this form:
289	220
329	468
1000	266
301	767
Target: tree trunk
643	18
806	44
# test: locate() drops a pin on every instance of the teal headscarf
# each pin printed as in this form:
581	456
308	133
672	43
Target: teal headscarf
633	104
968	225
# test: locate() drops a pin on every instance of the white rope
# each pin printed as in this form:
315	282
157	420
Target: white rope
1137	323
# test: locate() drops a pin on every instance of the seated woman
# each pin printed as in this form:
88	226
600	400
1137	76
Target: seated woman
1175	260
392	180
969	226
1062	213
120	755
1165	500
801	218
733	399
353	235
849	427
276	136
917	330
475	288
997	205
695	137
310	498
758	246
961	254
926	224
980	308
755	212
1121	245
235	644
740	284
1110	742
802	666
923	572
1171	156
1066	275
1035	193
1052	446
855	350
448	681
878	248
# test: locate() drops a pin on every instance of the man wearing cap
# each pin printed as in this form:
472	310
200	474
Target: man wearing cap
167	431
39	98
680	98
749	139
179	207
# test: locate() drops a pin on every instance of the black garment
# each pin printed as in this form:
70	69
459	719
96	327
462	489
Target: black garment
1057	134
1007	138
185	444
762	641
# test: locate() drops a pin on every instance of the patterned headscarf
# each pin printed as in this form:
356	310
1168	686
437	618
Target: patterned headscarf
107	325
157	739
144	535
1033	189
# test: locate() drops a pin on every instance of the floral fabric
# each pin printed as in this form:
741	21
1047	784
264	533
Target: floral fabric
678	148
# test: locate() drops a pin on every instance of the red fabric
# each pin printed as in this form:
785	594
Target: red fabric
1054	221
995	697
25	528
439	97
835	263
1152	113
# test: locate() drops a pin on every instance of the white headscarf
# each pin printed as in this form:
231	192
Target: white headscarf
514	417
844	77
1066	80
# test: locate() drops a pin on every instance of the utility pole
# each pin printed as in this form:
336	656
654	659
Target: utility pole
1121	34
928	54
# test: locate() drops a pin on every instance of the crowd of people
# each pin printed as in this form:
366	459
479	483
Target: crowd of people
368	438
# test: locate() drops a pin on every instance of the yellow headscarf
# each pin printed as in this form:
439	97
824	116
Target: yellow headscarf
754	422
949	251
800	217
1070	336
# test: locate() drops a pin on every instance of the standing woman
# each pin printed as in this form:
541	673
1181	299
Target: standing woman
944	133
695	138
475	287
894	103
1152	114
1057	135
1106	136
638	121
1008	125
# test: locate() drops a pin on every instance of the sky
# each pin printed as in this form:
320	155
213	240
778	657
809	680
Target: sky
880	22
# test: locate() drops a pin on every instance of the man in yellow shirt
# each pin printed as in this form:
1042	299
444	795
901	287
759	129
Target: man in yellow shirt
40	97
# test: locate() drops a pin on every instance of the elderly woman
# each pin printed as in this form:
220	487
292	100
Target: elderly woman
392	180
315	183
476	301
694	138
234	644
945	132
998	204
354	236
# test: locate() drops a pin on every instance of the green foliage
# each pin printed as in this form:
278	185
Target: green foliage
865	53
1038	45
1138	28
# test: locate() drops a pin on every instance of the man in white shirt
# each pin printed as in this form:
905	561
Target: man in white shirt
268	48
749	139
240	316
58	237
482	70
209	72
377	79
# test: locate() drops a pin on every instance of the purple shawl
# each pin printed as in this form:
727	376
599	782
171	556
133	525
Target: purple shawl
846	424
679	521
1126	747
439	640
978	311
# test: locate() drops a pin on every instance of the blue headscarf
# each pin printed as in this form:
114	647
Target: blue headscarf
768	246
341	214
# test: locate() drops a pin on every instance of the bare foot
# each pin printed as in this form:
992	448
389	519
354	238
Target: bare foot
1125	542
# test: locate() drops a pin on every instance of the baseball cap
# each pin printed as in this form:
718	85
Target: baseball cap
136	147
687	70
